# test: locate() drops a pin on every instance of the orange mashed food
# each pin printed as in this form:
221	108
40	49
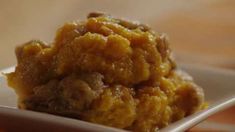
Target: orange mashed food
107	71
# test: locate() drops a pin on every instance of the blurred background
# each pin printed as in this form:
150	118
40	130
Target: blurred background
200	31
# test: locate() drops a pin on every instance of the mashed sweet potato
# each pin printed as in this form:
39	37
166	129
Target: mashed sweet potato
108	71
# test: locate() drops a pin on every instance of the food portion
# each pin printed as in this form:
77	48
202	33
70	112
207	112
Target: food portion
107	71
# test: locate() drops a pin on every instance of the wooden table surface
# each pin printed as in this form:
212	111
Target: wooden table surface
201	31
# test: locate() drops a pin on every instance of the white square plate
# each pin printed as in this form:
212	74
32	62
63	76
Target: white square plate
218	84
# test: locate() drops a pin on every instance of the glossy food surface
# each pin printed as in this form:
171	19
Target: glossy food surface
107	71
